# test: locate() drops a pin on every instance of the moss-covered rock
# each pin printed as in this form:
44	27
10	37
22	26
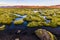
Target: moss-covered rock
6	18
53	22
18	22
45	35
35	24
2	27
32	24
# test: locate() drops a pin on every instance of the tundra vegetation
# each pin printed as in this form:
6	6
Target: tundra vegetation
35	17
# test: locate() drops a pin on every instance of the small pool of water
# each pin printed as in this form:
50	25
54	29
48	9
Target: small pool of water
18	19
12	26
21	17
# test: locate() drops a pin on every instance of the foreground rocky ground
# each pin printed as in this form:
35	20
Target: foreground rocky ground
27	34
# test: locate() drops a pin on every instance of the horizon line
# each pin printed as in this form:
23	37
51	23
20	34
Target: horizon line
24	5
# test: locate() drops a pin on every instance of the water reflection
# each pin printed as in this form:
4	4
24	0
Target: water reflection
20	17
14	27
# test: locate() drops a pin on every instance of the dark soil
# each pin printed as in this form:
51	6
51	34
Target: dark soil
27	34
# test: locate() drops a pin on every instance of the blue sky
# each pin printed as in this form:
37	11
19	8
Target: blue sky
30	2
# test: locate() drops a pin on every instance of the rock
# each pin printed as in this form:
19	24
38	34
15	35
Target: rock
2	27
17	39
45	35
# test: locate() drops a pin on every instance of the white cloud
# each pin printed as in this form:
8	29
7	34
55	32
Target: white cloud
30	2
8	4
40	2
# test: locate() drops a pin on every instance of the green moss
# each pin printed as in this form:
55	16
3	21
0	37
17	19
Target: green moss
46	24
6	19
48	17
2	27
53	23
18	22
7	16
32	24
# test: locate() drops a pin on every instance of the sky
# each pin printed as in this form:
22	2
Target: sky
29	2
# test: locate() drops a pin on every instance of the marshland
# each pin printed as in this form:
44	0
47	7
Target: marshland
28	20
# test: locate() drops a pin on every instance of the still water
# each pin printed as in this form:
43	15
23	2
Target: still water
24	26
28	33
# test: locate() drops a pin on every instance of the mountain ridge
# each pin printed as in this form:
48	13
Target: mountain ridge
18	6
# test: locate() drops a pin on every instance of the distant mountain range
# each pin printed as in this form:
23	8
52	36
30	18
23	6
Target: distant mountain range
54	6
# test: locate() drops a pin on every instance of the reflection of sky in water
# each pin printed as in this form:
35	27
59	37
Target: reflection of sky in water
47	21
35	11
12	26
24	26
17	15
44	17
20	17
